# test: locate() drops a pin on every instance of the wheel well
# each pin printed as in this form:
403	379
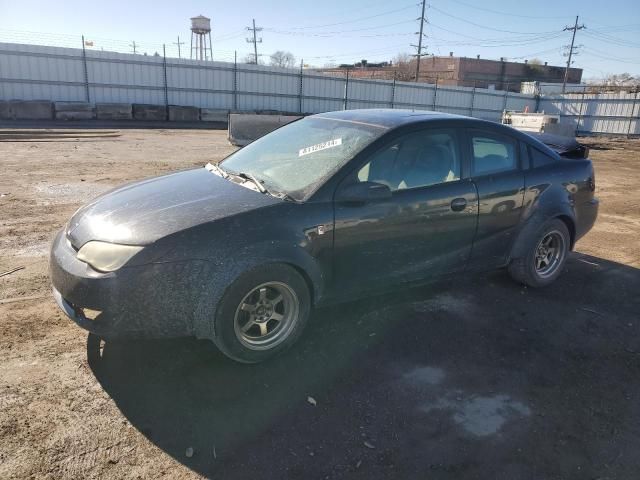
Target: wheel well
307	280
570	226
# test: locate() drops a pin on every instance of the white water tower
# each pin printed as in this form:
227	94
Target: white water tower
200	30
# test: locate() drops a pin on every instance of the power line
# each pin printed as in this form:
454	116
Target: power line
602	37
355	19
339	32
484	26
573	29
504	13
254	40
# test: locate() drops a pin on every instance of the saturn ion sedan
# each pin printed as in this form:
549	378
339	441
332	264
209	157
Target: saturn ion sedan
329	208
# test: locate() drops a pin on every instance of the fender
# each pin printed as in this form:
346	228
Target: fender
553	202
247	258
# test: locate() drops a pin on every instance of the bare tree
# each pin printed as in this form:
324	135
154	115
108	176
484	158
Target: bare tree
251	58
405	67
283	59
621	80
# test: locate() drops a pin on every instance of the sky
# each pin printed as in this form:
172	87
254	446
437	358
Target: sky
338	31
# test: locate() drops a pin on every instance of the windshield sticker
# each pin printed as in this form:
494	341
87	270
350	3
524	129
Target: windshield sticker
320	146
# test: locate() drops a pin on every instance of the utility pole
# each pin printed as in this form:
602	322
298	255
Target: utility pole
418	55
255	40
574	29
178	43
133	45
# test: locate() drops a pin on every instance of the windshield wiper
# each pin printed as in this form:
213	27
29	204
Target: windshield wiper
263	188
215	168
254	180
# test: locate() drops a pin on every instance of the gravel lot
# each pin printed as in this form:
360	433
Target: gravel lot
478	379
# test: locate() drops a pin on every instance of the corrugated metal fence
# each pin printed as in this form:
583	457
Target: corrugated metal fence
30	72
616	113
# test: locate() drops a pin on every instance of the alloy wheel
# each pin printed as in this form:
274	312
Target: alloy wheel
549	254
266	316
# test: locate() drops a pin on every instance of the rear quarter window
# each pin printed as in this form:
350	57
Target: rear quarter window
493	154
539	159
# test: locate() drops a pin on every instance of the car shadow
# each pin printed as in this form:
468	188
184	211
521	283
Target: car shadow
183	394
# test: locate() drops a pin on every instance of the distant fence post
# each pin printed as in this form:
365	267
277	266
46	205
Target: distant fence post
346	91
300	87
86	71
435	94
581	108
473	99
631	117
393	90
235	80
164	77
506	99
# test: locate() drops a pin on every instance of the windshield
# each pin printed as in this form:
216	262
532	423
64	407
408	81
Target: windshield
298	157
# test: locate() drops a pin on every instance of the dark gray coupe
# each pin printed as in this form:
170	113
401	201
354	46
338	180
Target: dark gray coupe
330	207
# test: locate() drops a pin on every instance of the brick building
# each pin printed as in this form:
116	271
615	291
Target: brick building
503	75
466	72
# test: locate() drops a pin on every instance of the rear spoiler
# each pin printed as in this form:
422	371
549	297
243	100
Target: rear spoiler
564	146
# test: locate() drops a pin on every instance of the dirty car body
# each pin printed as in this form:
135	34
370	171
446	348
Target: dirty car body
393	210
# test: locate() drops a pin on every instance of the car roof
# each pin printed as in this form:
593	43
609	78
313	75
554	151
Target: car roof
389	117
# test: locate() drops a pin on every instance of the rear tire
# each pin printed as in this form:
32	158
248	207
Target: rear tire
545	255
262	313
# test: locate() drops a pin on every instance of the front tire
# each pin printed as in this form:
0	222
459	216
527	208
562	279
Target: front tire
545	255
262	313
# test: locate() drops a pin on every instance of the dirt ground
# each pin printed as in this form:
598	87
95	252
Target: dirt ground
477	379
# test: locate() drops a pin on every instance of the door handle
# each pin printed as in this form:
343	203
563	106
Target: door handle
458	204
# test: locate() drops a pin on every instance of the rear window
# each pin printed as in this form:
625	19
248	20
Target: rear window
539	159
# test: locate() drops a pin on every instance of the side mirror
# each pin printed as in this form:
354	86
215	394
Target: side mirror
363	192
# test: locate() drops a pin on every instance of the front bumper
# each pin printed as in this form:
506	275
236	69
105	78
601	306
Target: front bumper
154	300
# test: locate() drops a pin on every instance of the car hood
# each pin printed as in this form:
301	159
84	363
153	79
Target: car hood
142	212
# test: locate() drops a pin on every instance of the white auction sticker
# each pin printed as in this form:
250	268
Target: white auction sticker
320	146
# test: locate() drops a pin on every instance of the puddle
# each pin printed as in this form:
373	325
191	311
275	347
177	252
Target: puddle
478	415
424	376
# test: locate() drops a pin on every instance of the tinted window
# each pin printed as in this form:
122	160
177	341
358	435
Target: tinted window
538	159
493	154
415	160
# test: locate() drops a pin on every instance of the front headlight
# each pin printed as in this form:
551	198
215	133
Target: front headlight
106	257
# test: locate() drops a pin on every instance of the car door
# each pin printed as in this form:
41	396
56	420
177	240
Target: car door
498	175
424	229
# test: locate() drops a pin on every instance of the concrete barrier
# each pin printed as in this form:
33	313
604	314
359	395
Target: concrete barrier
149	112
214	115
244	128
183	114
4	110
114	111
74	111
27	110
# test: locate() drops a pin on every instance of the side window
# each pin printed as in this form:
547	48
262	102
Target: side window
539	159
493	154
416	160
